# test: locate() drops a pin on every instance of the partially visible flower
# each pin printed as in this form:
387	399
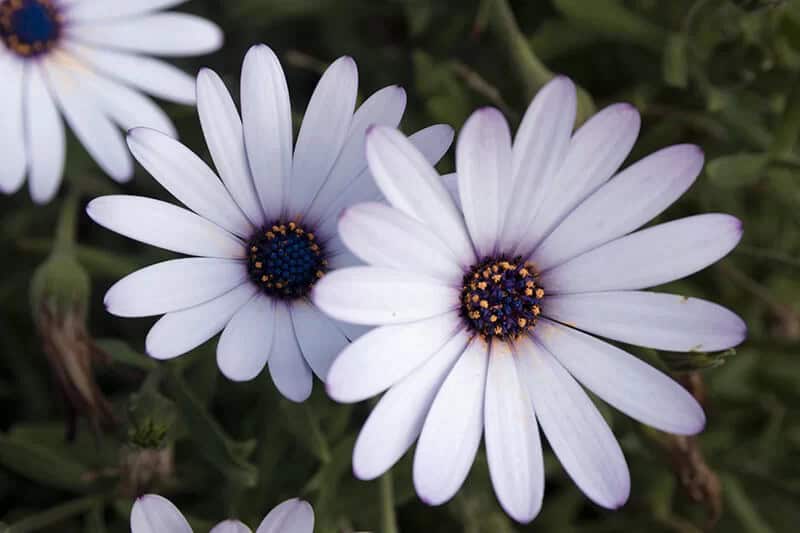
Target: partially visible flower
486	296
87	60
155	514
266	233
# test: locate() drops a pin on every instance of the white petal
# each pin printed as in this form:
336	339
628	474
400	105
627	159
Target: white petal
386	237
230	526
267	120
410	183
151	75
245	345
634	197
86	10
291	516
384	356
575	429
452	431
397	420
377	296
163	34
173	285
539	149
188	178
322	133
224	135
288	367
164	225
483	164
101	138
45	138
595	152
344	260
432	143
12	133
513	448
384	107
178	332
624	381
155	514
650	319
451	184
319	337
649	257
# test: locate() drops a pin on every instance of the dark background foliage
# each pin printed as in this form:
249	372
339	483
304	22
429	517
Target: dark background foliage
719	73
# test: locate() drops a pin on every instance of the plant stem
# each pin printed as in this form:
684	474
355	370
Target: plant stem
388	516
55	515
67	227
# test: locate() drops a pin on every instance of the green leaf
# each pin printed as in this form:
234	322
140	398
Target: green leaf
691	361
676	63
737	170
42	465
121	352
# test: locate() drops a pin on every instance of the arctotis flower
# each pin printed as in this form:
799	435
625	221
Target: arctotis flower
487	298
264	234
87	60
155	514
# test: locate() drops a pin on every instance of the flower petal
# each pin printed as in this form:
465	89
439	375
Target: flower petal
245	345
319	337
513	448
575	429
452	431
622	380
323	132
377	296
540	146
178	332
224	135
291	516
190	282
650	319
649	257
483	164
386	355
451	184
397	420
164	225
45	140
93	10
12	133
188	179
101	138
162	34
595	153
385	237
433	141
267	120
631	199
288	367
151	75
410	183
155	514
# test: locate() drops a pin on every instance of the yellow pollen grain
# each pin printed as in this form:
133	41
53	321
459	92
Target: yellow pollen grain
540	293
482	285
536	310
264	279
498	330
259	264
523	272
475	298
528	292
484	304
522	322
493	318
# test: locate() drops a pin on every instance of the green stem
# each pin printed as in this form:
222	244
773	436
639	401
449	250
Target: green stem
388	516
67	227
317	436
55	515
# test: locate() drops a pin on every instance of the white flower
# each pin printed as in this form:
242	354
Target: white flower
484	299
264	234
155	514
87	60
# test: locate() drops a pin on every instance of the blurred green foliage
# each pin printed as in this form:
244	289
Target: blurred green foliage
720	73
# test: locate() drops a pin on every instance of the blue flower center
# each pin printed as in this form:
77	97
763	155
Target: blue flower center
285	260
500	298
30	27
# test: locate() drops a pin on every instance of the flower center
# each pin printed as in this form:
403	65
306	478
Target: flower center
30	27
500	298
285	260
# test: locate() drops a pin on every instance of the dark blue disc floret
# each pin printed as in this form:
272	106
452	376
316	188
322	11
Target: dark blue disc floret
500	298
30	27
285	260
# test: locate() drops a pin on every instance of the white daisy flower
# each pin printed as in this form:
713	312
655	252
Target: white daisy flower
265	233
87	60
155	514
486	299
